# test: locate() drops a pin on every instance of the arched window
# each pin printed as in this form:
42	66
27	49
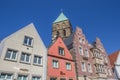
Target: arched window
64	32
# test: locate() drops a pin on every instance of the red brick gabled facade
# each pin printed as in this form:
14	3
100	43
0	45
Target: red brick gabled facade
60	62
80	49
89	64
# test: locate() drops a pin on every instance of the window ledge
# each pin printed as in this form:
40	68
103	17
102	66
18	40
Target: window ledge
28	45
38	65
55	67
69	69
12	60
25	62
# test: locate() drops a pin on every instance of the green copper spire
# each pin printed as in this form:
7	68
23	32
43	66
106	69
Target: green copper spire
61	17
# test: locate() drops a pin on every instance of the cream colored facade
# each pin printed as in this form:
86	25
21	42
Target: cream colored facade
17	67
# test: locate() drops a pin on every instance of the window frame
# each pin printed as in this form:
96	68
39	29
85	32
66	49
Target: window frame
54	65
38	60
25	57
11	55
37	77
6	75
26	43
86	53
89	67
22	76
81	50
54	78
83	66
61	51
70	66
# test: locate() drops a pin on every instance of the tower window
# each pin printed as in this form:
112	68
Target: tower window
57	34
64	32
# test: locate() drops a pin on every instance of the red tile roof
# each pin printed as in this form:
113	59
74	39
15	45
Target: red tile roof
113	58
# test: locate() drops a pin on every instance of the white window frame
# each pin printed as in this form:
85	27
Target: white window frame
81	50
83	41
11	54
83	66
41	59
80	40
109	72
28	40
61	51
6	75
25	57
89	67
55	64
86	53
68	66
52	78
22	76
37	77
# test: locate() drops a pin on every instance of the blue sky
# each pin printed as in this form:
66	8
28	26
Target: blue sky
97	18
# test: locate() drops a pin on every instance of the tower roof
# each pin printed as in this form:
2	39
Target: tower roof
61	17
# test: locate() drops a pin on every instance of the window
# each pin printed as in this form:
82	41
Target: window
57	34
68	66
36	78
64	32
55	63
80	40
81	50
61	51
6	76
62	79
38	60
89	68
28	41
86	53
53	78
83	41
105	59
11	54
22	77
97	54
109	72
25	57
83	66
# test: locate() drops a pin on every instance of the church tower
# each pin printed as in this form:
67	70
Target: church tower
61	27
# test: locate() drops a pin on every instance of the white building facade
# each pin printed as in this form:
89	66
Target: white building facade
115	62
23	56
117	66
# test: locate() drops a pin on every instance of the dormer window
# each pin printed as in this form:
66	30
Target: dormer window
28	41
61	51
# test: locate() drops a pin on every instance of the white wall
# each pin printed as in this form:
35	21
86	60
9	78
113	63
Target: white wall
15	41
